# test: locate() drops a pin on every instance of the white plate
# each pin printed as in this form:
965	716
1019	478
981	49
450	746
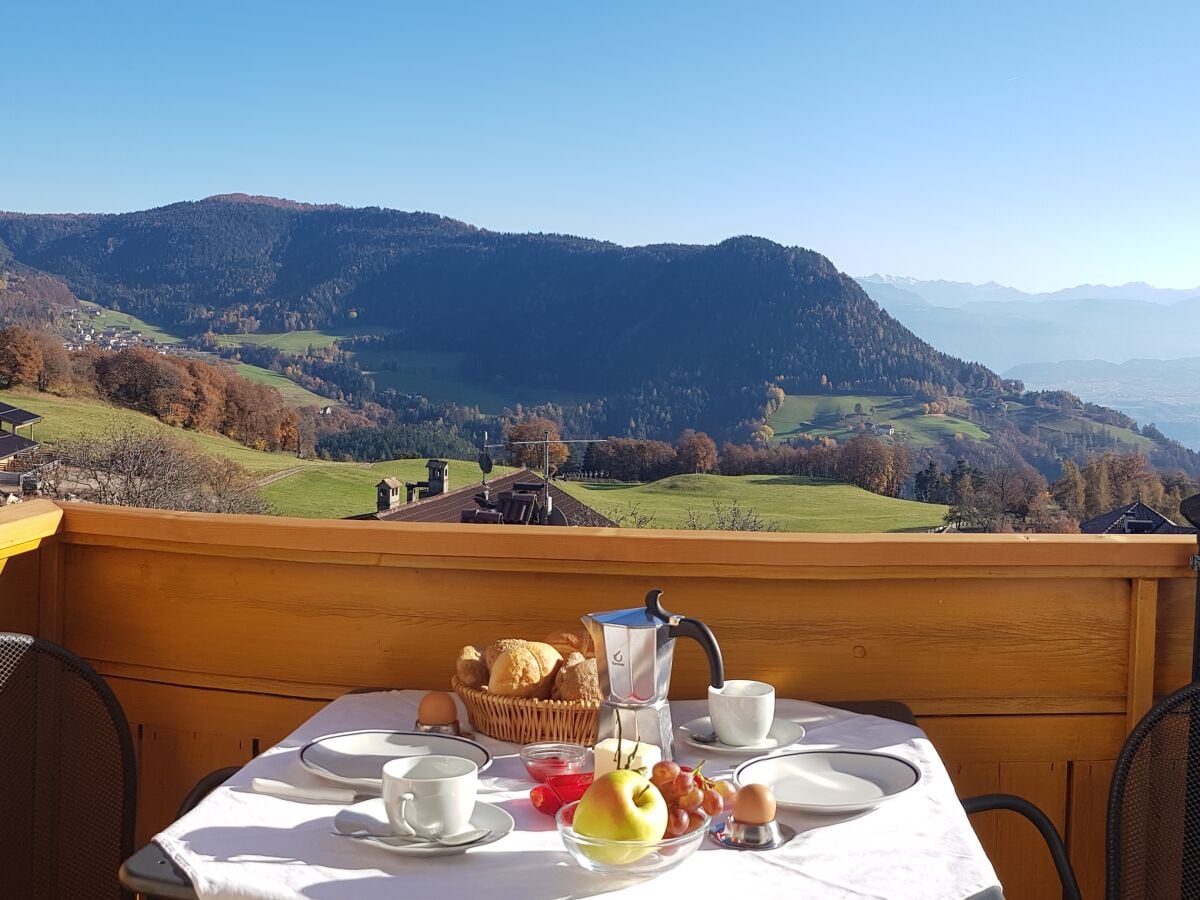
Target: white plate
830	781
783	733
357	757
370	814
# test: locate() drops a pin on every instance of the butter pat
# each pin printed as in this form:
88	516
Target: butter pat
606	756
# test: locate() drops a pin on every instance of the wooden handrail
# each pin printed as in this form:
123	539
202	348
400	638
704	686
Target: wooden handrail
23	527
770	555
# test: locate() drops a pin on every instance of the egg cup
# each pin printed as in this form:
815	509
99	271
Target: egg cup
734	835
451	728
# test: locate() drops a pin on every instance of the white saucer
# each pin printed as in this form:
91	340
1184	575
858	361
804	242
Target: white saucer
783	733
370	817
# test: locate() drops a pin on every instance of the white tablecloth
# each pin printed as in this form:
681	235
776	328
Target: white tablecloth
237	844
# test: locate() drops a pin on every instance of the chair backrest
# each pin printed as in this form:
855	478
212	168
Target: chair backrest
68	778
1153	844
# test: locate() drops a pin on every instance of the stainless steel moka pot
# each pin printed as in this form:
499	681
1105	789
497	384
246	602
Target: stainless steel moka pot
634	651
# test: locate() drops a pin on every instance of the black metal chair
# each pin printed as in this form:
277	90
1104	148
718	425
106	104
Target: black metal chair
1152	845
68	778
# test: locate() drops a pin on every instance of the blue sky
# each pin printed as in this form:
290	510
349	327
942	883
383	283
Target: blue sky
1037	144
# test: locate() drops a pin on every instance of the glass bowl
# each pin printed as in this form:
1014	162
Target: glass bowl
547	759
636	858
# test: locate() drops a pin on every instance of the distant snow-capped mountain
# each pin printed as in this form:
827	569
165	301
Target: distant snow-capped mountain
958	293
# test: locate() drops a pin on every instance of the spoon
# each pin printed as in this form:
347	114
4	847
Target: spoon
452	840
707	737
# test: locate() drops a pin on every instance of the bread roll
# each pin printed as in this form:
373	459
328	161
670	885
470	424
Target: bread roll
494	650
470	668
578	679
525	670
568	642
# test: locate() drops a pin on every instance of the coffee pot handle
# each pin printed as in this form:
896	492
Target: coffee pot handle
680	626
702	634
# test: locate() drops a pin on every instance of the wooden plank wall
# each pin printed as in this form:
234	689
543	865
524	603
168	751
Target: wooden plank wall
1025	658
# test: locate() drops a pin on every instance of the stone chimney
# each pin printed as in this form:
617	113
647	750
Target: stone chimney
387	494
439	477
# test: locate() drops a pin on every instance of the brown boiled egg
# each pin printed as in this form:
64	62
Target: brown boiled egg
437	709
754	805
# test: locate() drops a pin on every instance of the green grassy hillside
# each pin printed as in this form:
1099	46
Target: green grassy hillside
832	415
318	489
292	392
315	489
68	417
796	503
109	317
1048	420
337	490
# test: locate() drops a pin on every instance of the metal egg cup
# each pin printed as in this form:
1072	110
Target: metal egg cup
734	835
450	728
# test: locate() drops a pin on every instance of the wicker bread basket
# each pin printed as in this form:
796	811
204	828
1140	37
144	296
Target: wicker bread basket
523	721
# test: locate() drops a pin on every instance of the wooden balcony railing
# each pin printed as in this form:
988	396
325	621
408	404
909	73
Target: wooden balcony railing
1025	658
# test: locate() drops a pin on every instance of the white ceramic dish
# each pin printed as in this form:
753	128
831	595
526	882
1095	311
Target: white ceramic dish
368	823
830	782
357	757
783	733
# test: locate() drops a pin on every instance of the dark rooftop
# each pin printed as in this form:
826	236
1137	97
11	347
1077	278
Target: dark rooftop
1135	518
16	416
450	506
12	444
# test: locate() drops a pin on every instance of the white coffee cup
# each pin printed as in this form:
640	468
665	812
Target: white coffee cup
430	796
741	711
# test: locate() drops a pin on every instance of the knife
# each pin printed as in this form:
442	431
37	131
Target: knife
311	794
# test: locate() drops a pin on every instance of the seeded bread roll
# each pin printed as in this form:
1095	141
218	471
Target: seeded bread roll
494	650
568	642
470	667
526	670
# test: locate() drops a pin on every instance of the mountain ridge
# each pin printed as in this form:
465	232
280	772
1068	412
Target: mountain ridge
688	333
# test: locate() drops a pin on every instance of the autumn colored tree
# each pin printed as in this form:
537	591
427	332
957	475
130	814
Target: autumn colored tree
902	466
1046	516
20	357
1069	492
695	452
55	372
1097	490
866	462
630	459
532	456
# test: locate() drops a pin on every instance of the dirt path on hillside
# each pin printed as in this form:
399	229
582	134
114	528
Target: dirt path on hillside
280	475
284	473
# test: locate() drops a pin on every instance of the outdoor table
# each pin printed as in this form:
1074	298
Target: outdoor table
236	843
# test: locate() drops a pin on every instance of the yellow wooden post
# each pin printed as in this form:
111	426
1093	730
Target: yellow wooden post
1143	618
